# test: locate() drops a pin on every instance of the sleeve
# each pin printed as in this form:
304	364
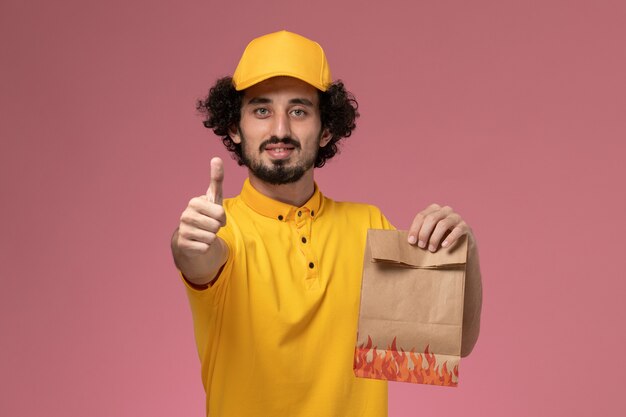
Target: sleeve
378	220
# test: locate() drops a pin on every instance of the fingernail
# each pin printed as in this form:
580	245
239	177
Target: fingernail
421	244
412	240
431	248
445	243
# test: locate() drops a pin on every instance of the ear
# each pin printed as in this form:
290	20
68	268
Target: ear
233	132
325	138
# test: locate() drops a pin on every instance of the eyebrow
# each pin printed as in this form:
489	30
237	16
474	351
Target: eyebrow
259	100
264	100
303	101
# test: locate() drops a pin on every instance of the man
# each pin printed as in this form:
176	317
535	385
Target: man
274	275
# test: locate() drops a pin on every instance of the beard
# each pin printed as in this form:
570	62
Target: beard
277	173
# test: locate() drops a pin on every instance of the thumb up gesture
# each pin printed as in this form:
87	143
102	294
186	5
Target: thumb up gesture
201	220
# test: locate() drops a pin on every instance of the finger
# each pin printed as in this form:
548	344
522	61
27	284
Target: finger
199	235
200	221
415	228
193	247
454	235
427	228
431	215
214	193
442	228
199	208
418	222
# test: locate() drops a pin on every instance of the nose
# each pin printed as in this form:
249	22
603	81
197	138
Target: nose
281	127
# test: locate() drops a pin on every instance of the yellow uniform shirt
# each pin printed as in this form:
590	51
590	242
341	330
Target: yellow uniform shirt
277	330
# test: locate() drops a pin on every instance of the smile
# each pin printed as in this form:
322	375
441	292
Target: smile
279	150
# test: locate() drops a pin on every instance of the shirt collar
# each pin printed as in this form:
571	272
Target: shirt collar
278	210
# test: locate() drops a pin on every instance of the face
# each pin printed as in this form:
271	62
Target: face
280	129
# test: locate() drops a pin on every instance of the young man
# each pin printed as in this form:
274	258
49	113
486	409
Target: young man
274	275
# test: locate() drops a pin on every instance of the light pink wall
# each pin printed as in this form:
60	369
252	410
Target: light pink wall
511	112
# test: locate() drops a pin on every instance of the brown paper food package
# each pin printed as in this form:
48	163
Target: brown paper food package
411	313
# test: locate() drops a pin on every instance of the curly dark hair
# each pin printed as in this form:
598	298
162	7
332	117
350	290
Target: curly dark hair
222	110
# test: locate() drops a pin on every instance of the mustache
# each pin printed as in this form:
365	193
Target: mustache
275	140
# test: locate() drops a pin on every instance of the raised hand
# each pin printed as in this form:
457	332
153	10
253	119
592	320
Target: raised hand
203	217
434	224
197	250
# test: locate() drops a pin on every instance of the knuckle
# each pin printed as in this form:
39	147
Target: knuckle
186	217
201	248
186	245
182	231
431	218
444	223
460	228
196	202
220	215
189	222
212	225
210	239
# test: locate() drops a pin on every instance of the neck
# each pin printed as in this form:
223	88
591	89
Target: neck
295	193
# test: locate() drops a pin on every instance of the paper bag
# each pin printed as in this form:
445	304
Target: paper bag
411	312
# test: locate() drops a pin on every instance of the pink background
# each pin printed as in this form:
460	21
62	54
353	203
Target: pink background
512	112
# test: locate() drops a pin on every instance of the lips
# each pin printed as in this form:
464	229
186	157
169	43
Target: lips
279	150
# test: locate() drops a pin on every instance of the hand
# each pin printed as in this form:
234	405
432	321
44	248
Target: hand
203	217
435	223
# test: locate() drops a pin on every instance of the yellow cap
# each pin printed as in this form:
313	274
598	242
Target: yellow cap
282	54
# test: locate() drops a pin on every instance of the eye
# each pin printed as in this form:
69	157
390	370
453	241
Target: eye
298	112
261	112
